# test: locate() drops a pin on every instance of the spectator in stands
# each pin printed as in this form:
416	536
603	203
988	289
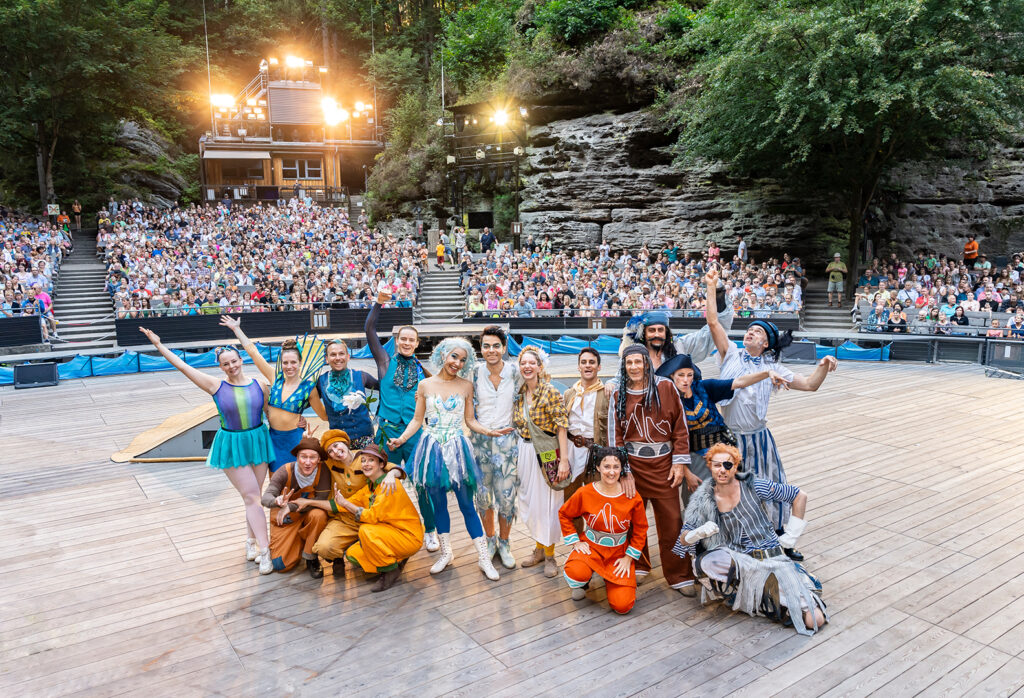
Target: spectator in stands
897	321
1015	327
970	250
878	319
487	240
994	329
960	319
836	271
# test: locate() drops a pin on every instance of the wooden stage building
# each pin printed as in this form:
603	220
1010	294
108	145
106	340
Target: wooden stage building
130	579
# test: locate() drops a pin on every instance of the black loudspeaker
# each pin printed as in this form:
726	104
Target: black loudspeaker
35	375
802	352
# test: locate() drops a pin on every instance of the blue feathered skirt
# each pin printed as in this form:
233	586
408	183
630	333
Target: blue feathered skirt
445	466
236	449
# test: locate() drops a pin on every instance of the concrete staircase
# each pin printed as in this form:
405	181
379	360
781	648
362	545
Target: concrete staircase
818	316
80	303
355	207
441	299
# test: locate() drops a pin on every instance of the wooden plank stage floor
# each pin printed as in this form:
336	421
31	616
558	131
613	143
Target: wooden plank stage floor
131	580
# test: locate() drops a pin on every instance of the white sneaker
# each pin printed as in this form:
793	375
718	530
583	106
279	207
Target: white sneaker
446	556
252	550
266	564
430	541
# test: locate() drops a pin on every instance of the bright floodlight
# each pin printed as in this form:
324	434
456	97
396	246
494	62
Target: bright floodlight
333	115
222	101
360	106
501	117
294	62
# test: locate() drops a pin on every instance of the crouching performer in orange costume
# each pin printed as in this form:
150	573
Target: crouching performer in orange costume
614	533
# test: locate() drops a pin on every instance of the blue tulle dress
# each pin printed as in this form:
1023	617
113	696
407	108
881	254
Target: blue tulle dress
443	459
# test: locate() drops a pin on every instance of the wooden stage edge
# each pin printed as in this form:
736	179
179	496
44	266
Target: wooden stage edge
130	578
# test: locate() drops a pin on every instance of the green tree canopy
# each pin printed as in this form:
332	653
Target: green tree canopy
831	94
72	70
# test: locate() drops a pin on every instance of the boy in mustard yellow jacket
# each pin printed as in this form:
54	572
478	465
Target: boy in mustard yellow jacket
390	530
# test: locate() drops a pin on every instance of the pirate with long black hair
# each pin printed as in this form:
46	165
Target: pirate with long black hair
646	418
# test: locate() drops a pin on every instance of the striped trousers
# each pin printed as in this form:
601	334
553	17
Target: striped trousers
761	457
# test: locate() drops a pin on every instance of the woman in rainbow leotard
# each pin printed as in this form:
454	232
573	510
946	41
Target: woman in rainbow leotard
241	447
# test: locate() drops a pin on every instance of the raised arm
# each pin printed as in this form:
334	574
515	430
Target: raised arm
718	333
380	356
207	383
235	325
812	382
370	382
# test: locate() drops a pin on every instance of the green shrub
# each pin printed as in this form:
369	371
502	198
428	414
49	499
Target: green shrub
478	39
577	21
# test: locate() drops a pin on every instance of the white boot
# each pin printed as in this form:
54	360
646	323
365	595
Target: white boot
430	541
446	556
505	553
266	564
252	550
484	558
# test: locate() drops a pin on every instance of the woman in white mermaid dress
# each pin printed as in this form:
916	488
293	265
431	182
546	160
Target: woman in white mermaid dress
443	460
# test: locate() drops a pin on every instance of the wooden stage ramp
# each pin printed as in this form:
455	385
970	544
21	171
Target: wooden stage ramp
130	578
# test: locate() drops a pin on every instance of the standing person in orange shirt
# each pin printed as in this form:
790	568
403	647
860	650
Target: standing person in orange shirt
970	250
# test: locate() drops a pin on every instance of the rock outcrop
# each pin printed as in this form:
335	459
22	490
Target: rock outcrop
934	204
611	176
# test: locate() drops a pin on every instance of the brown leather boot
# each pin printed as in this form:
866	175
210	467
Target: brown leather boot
536	559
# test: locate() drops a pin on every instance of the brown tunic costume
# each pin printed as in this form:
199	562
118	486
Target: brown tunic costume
656	438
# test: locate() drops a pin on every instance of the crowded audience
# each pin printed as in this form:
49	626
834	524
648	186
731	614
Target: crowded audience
30	259
537	281
204	260
939	295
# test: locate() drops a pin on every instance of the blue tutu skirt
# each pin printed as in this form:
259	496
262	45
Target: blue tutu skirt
284	442
445	466
237	449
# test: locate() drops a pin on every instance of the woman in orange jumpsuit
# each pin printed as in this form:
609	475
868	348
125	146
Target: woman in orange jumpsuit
614	533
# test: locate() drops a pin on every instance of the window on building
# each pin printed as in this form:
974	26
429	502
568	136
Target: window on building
301	169
242	169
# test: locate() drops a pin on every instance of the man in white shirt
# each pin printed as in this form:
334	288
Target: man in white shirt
495	384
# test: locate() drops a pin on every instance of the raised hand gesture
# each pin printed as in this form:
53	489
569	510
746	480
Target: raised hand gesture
282	499
231	323
151	336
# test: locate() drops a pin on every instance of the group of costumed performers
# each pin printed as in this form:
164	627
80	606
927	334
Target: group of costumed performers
580	467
